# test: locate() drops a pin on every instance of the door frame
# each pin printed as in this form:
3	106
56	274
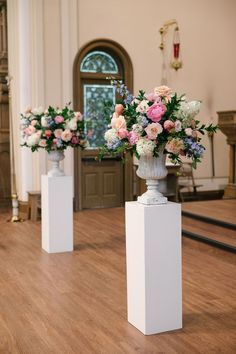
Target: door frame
127	68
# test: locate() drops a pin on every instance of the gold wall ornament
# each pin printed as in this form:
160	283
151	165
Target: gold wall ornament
176	62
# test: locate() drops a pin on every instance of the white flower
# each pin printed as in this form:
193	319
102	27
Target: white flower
110	135
135	101
72	124
145	147
178	126
44	122
33	139
142	107
37	111
137	128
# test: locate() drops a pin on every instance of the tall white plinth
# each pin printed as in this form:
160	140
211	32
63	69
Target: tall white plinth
153	260
57	214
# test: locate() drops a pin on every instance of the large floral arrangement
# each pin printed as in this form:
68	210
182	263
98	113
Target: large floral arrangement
52	129
155	122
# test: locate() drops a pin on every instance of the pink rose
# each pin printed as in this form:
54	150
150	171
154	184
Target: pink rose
119	109
156	111
66	135
153	130
78	116
152	97
48	133
122	133
34	122
168	124
57	133
188	131
133	137
30	130
43	143
118	123
59	119
74	140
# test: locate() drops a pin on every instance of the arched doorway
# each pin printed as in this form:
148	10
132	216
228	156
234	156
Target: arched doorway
107	183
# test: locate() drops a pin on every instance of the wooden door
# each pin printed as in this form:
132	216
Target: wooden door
107	183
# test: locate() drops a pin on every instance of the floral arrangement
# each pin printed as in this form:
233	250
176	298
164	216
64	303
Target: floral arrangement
155	122
52	129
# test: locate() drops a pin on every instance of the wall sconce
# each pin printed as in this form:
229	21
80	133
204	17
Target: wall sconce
176	62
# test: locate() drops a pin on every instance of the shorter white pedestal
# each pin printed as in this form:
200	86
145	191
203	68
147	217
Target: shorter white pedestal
57	214
153	259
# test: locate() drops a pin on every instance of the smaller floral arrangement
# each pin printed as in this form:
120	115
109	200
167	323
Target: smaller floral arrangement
52	129
150	123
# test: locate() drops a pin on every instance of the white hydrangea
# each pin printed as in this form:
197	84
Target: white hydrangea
143	106
34	139
187	111
137	128
145	147
37	111
44	122
72	124
110	135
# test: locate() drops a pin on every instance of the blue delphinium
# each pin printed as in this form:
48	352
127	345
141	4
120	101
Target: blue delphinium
193	148
122	89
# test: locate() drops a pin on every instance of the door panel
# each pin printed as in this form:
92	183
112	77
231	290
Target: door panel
102	183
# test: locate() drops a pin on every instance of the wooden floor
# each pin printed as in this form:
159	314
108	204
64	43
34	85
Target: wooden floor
223	209
76	302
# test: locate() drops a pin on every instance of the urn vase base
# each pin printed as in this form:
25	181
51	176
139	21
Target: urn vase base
152	200
56	173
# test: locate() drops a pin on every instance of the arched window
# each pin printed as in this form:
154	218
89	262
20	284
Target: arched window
96	62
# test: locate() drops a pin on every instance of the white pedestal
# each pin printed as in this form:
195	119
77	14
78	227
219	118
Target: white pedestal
153	256
57	214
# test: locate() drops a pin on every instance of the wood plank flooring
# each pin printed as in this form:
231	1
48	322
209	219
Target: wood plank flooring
76	302
223	209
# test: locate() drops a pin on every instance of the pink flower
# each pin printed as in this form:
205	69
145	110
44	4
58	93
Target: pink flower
30	130
118	123
48	133
119	109
152	97
57	133
78	116
55	141
59	119
43	143
133	137
122	133
188	131
156	111
74	140
34	122
153	130
175	146
66	135
163	91
168	124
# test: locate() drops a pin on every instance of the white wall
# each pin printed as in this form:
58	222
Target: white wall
207	30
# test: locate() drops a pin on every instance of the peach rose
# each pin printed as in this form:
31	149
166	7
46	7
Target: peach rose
57	133
30	130
175	146
163	91
66	135
122	133
153	130
119	109
118	123
168	124
188	131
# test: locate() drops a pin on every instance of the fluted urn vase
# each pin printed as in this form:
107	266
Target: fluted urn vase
152	169
55	156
